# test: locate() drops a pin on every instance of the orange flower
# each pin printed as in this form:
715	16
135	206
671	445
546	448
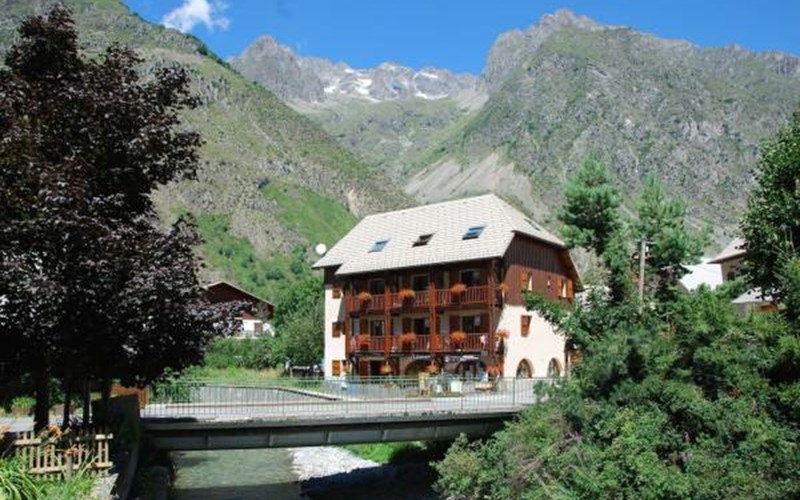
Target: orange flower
458	338
407	293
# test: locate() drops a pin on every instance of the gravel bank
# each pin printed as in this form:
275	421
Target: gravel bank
331	473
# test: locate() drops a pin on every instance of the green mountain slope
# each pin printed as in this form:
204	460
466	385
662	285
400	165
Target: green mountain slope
548	95
272	182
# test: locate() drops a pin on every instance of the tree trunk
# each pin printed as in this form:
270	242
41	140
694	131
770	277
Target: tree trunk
41	386
105	398
67	386
87	400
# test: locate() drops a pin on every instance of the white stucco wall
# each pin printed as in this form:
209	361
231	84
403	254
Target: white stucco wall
540	346
334	347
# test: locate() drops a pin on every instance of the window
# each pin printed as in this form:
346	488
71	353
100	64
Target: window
420	282
378	246
525	325
422	240
473	232
422	326
376	328
471	324
337	291
336	367
470	277
377	286
336	329
525	280
554	368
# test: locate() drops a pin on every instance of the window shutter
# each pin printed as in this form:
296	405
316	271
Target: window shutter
406	325
525	325
337	291
336	367
569	289
455	323
523	281
337	329
363	327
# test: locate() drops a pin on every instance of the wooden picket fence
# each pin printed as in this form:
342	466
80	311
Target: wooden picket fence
89	450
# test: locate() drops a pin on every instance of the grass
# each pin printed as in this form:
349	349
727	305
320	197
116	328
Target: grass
386	453
239	261
231	375
317	218
17	483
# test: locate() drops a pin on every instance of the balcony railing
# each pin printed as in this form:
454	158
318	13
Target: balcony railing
474	342
472	296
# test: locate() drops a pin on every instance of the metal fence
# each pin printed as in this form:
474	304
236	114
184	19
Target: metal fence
309	398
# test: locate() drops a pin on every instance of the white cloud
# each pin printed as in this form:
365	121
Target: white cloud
194	12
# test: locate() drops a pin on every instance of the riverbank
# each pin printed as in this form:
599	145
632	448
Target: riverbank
332	473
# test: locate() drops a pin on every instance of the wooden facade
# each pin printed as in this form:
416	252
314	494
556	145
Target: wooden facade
381	310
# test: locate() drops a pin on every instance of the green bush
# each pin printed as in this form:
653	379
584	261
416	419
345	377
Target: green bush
23	405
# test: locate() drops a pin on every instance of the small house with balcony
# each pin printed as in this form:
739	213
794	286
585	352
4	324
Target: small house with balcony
255	322
441	287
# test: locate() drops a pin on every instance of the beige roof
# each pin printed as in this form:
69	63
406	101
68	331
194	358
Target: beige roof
447	221
735	249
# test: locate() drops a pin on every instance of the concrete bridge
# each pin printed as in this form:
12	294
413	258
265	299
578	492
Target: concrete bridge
205	416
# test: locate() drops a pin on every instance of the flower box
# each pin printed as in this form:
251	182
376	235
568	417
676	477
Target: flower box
457	339
407	294
458	288
408	339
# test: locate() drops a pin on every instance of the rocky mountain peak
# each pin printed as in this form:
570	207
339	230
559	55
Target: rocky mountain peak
315	79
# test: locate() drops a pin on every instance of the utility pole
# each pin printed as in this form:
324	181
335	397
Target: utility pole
642	259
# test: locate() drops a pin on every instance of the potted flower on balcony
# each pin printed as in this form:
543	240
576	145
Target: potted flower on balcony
363	343
364	297
406	294
502	334
458	288
457	339
407	340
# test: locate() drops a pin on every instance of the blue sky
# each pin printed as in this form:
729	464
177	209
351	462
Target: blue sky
457	34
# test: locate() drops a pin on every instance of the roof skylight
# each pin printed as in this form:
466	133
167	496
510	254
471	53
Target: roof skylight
422	240
378	246
473	232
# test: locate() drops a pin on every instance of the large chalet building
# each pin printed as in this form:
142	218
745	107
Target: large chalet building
440	288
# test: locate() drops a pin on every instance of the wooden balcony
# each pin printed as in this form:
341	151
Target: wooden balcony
422	300
474	343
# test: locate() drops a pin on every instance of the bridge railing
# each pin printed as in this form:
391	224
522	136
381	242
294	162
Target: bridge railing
309	398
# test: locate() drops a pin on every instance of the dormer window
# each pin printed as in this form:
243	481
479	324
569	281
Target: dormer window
473	233
422	240
378	246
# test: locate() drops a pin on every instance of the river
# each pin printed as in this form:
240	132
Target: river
234	474
267	474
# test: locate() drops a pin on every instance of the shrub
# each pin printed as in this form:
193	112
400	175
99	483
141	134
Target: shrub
239	353
22	405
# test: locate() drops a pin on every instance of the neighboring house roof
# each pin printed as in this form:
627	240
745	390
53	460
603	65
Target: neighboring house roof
447	222
702	274
752	296
224	291
734	250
